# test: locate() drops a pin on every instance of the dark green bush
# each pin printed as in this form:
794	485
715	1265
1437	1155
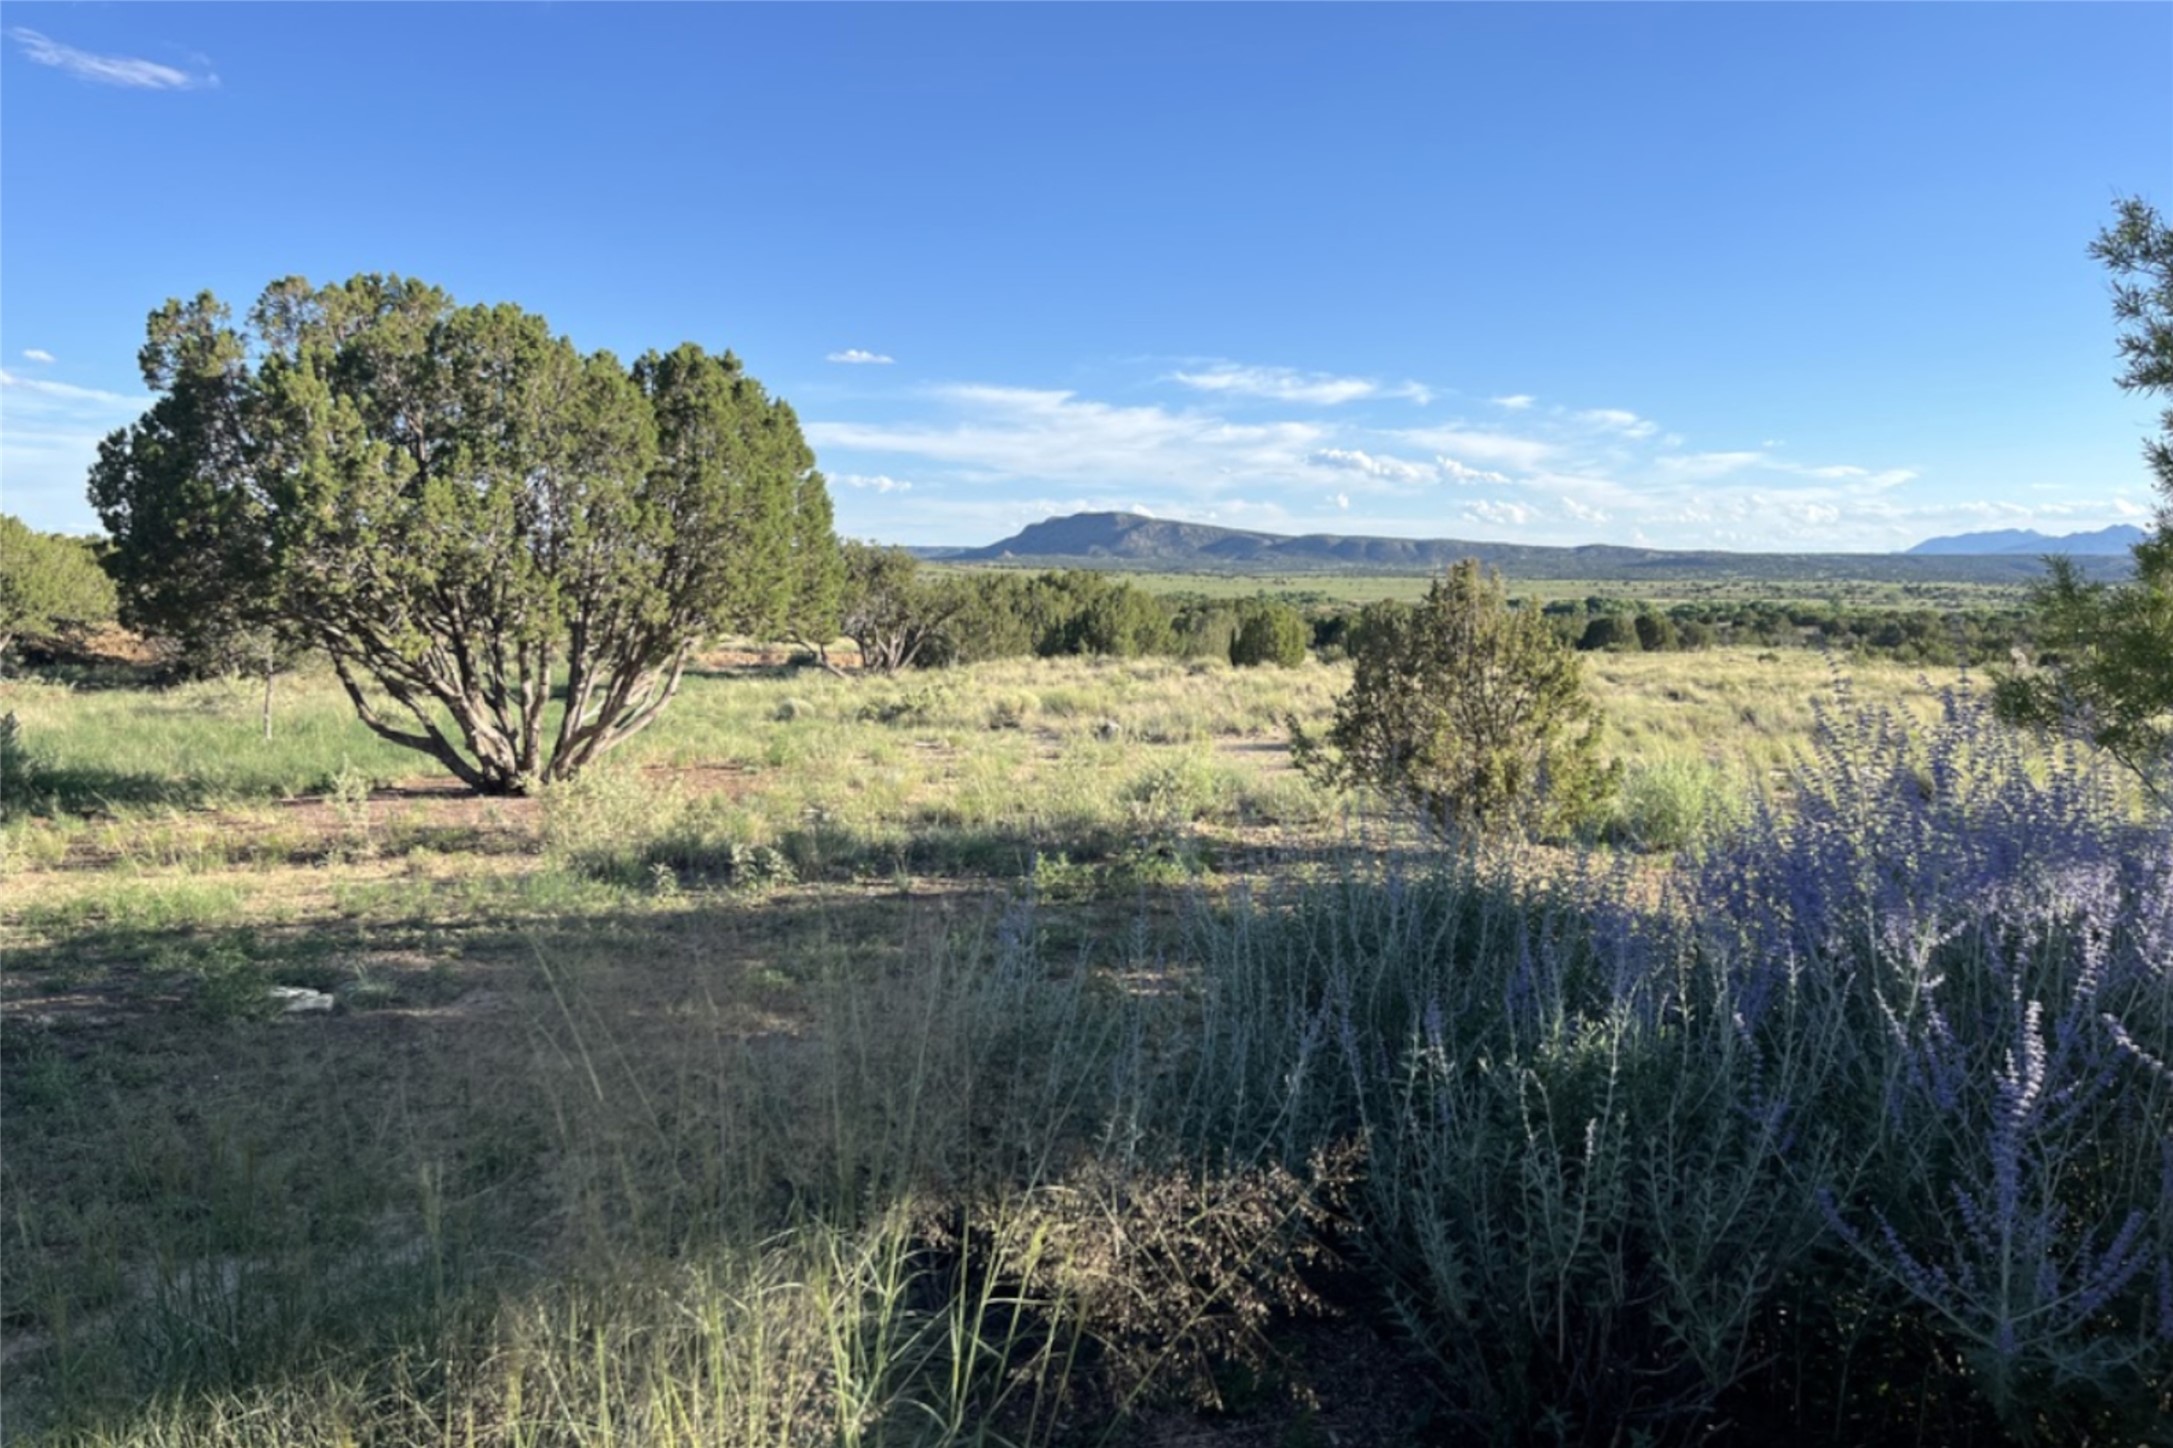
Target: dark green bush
1270	633
1469	710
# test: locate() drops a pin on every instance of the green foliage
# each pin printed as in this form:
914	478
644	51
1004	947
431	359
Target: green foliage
1471	711
1655	633
50	584
1673	804
2105	660
192	547
2105	665
892	610
1270	633
1607	631
467	515
1100	616
1207	630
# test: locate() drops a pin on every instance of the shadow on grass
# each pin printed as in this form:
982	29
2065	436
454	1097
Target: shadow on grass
89	790
212	1196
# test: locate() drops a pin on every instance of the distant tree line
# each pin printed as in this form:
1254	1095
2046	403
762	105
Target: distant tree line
902	614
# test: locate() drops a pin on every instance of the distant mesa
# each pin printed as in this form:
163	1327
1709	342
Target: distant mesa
1133	541
2119	538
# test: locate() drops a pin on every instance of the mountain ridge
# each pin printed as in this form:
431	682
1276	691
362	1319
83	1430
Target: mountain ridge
1136	541
2102	542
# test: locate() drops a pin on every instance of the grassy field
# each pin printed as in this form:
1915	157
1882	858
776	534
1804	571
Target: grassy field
802	1075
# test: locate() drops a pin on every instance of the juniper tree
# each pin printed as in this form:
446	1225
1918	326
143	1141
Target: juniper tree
508	549
49	584
1269	632
894	613
1471	711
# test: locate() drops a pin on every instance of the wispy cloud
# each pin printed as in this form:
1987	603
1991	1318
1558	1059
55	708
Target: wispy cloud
49	436
1515	401
1505	449
1698	467
38	354
1548	473
43	388
860	356
1615	419
127	71
873	482
1287	384
1016	433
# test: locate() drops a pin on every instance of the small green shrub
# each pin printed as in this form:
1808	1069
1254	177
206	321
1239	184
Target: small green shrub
1673	804
1012	710
1470	711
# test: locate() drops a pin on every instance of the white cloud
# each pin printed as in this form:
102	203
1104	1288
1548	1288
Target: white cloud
1515	401
1505	449
874	482
1555	474
1456	472
1287	384
1505	514
1391	469
1011	434
1615	419
860	356
120	70
38	354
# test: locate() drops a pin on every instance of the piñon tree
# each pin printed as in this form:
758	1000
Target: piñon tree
1469	710
2105	651
508	549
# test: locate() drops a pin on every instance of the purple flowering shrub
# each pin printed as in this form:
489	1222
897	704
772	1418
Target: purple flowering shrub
1868	1123
1994	940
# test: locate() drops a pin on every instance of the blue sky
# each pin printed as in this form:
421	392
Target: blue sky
1752	276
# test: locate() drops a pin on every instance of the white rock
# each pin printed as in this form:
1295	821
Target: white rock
295	1000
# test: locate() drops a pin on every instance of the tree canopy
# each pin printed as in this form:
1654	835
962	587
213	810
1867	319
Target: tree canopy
507	548
2106	650
49	584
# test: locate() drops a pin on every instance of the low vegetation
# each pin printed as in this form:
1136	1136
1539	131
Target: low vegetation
1027	1052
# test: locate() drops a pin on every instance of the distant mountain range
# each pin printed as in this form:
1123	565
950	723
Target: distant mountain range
2117	539
1130	540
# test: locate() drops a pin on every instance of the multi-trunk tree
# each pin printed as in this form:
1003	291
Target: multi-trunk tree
508	549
